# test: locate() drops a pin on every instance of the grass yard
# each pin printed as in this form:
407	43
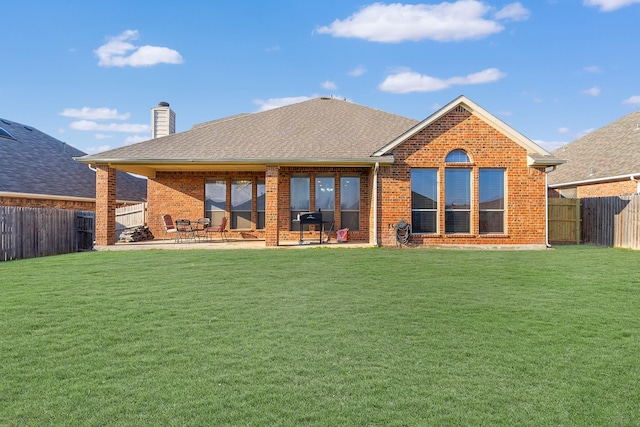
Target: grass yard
322	337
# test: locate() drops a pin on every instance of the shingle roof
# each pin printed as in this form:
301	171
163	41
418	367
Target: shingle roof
321	128
611	151
36	163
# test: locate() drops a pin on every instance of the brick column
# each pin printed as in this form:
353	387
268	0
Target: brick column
271	206
105	205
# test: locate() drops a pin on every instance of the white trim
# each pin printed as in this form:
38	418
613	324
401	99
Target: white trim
595	180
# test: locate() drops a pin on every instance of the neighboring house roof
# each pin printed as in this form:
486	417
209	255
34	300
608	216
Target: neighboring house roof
538	156
318	131
34	163
607	154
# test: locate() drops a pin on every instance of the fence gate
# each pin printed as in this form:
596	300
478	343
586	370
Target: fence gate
564	221
85	226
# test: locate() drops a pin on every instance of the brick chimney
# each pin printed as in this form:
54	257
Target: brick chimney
163	120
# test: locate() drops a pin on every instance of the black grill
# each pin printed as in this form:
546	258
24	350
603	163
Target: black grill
310	218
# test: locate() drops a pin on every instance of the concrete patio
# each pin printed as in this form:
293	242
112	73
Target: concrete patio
170	244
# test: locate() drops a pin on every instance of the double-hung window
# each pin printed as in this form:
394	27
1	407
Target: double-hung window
299	198
215	200
457	193
457	190
241	191
424	200
350	202
325	197
260	204
491	199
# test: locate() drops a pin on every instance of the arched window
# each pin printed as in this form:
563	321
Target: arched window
457	156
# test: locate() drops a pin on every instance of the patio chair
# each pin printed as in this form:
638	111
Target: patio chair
184	228
168	226
221	228
200	227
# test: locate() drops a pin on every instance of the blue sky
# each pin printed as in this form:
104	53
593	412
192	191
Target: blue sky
88	73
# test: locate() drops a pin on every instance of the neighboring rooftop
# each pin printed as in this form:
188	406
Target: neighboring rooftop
611	151
33	162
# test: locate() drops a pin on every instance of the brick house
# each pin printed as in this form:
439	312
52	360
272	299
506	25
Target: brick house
605	162
38	171
459	177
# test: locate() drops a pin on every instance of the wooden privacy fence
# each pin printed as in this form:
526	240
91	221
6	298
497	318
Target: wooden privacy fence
564	221
36	232
612	221
130	216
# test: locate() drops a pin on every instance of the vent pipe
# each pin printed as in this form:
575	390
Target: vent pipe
163	120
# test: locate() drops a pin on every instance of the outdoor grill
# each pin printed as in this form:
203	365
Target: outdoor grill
310	218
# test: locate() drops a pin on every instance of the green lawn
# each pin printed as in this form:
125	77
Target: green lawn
322	337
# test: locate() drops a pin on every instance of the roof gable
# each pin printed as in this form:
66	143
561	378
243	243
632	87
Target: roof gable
538	156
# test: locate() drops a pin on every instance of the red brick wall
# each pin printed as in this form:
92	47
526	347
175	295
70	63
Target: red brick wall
181	195
105	205
486	147
607	189
47	203
271	206
361	235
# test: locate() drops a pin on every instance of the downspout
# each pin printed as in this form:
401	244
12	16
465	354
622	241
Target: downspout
546	205
375	203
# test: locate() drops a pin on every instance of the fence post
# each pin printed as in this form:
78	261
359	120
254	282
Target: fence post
578	221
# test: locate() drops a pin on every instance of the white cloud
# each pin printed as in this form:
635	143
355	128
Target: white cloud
563	130
632	100
610	5
328	85
102	136
594	91
119	52
272	103
135	139
410	81
513	12
100	149
272	49
393	23
94	113
550	145
357	72
593	69
88	125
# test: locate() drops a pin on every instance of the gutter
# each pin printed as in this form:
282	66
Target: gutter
595	180
279	161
